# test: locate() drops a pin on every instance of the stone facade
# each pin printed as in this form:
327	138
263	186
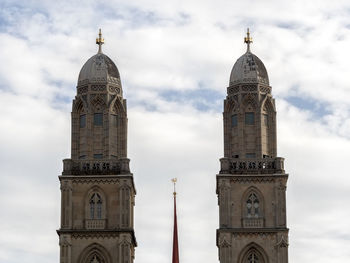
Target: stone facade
97	187
251	185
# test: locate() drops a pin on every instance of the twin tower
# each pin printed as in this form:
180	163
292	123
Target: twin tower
97	187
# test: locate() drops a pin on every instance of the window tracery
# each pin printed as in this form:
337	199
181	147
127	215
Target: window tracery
253	254
95	206
253	206
253	257
95	259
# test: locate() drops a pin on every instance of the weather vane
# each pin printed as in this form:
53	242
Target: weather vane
248	39
174	180
100	41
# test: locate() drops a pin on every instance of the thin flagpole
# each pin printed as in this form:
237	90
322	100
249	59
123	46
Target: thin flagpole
175	239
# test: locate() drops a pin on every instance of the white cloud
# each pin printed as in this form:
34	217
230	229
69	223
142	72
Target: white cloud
181	46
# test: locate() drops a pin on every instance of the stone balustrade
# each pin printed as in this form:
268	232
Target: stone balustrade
96	167
95	224
252	166
253	222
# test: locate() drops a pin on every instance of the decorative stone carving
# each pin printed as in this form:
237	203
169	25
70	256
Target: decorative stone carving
66	185
113	89
264	89
249	88
83	89
232	90
98	87
283	242
225	240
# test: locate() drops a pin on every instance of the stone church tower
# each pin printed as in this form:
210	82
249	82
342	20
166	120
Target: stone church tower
97	188
251	185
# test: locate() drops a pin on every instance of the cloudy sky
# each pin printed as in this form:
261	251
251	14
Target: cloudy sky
175	59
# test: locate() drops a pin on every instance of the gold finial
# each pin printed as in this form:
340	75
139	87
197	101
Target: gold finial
174	180
100	41
248	40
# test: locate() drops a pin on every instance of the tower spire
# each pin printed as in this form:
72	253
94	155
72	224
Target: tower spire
175	239
100	41
248	39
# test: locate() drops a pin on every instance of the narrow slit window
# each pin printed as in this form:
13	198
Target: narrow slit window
249	118
92	207
234	120
98	156
82	121
266	119
250	155
98	119
114	120
99	209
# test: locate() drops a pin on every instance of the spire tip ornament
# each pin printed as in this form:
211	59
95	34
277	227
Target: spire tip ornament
175	238
248	39
100	41
174	180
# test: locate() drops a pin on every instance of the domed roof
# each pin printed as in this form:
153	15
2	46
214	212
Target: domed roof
249	69
99	68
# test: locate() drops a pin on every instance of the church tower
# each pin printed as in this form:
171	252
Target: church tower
251	185
97	188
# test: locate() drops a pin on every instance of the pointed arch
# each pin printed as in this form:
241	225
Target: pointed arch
98	103
126	249
249	103
252	203
253	253
231	105
267	105
79	105
95	253
117	107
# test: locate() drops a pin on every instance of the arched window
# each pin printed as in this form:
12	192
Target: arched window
253	254
94	253
253	258
95	206
95	259
252	206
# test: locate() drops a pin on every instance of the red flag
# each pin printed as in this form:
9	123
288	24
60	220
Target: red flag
175	241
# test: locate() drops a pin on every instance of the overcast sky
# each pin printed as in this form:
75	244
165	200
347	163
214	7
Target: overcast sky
175	59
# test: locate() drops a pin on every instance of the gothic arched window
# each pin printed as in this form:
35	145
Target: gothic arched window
252	206
95	206
253	254
95	259
253	257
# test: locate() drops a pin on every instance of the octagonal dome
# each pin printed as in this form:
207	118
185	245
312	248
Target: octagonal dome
249	69
99	68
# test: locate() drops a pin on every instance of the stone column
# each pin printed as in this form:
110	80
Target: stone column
66	204
65	249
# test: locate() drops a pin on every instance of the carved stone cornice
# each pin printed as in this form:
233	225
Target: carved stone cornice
253	231
100	179
241	232
283	242
249	178
103	234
